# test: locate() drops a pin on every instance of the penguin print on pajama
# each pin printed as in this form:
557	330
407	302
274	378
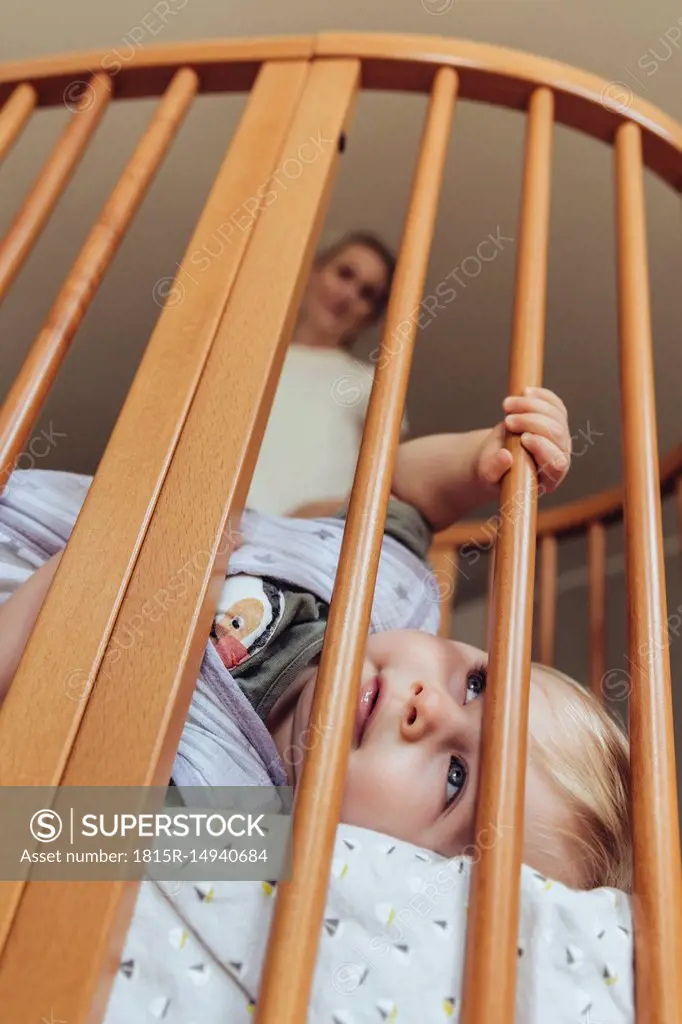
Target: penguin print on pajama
247	615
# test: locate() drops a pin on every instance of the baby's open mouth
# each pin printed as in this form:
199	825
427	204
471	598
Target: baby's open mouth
369	698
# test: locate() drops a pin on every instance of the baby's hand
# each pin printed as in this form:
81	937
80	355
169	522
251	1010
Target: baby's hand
541	419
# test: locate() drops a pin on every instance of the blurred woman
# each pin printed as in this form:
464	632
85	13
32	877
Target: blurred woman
313	436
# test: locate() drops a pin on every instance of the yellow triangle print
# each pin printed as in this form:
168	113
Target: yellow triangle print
267	888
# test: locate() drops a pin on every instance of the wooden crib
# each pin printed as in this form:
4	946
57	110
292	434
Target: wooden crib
60	941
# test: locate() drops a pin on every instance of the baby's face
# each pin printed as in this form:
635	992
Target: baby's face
415	757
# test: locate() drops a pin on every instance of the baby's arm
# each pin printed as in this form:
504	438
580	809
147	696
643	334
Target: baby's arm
446	476
17	618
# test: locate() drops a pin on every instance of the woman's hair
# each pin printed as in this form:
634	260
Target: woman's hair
588	761
375	244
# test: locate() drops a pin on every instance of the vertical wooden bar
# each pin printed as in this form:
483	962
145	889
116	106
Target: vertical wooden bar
35	748
596	557
78	952
14	115
53	179
444	563
490	599
29	390
491	951
288	969
548	592
657	867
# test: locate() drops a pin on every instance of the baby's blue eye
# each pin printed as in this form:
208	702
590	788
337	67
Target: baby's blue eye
457	771
476	682
457	776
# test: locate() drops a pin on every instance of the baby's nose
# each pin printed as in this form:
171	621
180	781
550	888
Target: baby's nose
423	712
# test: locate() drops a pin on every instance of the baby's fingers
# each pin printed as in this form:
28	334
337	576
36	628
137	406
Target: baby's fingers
519	404
552	462
537	423
548	396
495	464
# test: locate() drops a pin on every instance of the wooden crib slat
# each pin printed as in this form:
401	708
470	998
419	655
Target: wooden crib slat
491	951
53	179
226	423
490	599
445	562
288	969
14	115
657	867
34	748
596	557
548	594
33	382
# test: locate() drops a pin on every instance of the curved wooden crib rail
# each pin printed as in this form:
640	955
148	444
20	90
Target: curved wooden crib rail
60	942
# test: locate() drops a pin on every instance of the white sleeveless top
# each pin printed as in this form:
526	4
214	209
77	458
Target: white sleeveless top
313	436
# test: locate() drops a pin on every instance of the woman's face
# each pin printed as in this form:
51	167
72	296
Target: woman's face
343	293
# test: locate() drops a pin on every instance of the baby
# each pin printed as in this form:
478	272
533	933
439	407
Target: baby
415	758
414	761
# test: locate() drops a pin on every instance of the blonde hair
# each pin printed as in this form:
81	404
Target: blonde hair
588	761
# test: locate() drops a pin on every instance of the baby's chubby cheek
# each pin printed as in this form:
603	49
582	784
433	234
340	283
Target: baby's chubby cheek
374	799
365	798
